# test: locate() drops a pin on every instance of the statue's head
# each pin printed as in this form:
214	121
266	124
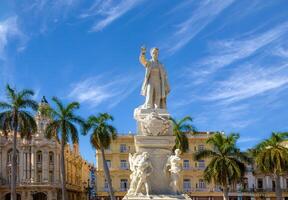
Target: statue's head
145	155
154	52
177	152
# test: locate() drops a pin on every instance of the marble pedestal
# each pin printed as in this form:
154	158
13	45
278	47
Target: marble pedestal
155	136
159	149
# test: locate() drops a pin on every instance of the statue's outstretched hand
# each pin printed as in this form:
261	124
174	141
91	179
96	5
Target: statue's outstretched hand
143	50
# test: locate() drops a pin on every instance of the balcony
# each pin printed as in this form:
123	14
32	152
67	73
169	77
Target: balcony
123	189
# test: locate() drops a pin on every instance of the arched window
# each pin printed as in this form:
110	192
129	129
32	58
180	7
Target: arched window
51	158
39	157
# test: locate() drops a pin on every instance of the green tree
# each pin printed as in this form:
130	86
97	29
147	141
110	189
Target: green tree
63	126
102	133
15	116
180	129
227	164
271	157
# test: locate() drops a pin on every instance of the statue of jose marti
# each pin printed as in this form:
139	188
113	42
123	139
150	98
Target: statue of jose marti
155	86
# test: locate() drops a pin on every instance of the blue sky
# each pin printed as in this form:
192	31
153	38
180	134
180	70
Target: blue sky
227	60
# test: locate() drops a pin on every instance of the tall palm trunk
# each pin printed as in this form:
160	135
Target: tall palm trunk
14	159
63	171
225	193
107	174
278	190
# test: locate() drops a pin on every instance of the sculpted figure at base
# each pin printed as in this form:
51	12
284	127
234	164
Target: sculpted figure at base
174	167
141	169
155	86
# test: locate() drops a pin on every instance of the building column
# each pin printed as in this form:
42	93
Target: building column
33	164
21	165
45	165
49	195
282	182
267	183
56	167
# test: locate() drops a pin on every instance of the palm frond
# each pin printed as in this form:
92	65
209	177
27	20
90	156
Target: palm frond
11	94
28	103
4	105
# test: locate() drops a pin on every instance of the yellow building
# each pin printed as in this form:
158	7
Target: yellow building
254	186
117	160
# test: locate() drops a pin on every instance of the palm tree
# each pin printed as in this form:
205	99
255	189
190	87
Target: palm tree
16	117
180	130
63	127
102	133
271	156
227	162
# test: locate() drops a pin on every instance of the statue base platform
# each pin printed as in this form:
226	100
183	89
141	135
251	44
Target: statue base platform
158	197
153	122
159	149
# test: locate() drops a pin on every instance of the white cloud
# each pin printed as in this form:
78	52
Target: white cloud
109	90
248	139
248	82
109	11
282	52
8	30
204	14
229	51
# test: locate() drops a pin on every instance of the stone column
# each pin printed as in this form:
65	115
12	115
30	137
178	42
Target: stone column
21	165
45	165
266	185
33	164
56	167
29	161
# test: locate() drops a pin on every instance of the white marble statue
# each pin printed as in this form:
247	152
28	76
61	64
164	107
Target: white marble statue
155	86
141	168
133	160
174	166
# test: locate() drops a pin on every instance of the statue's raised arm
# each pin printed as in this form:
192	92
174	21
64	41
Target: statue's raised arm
142	57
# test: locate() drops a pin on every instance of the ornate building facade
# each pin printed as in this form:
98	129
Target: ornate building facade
254	186
38	167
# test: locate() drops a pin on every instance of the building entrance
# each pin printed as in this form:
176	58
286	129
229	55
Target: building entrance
39	196
8	196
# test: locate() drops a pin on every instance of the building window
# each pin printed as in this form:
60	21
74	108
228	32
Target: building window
39	157
51	158
245	183
202	184
123	185
108	162
201	164
123	148
201	147
39	176
105	185
51	176
260	183
186	185
186	164
123	164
